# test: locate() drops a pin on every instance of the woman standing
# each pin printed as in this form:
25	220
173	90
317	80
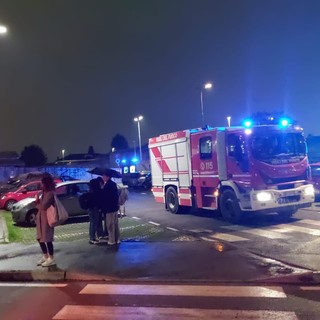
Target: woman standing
45	233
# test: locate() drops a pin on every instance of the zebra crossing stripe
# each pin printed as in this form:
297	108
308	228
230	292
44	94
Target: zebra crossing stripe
310	288
72	312
257	232
34	285
289	228
309	221
185	290
224	237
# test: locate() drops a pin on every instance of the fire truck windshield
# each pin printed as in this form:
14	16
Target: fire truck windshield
278	145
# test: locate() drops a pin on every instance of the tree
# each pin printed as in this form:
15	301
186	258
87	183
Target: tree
33	156
119	142
91	150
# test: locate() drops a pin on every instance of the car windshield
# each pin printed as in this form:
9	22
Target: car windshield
277	145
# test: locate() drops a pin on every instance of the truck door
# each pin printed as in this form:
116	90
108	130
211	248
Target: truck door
204	169
237	158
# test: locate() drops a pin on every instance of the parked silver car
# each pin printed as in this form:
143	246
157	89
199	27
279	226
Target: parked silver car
68	192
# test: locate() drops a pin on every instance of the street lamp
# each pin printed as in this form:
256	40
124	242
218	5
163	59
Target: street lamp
63	151
206	86
3	29
229	121
138	119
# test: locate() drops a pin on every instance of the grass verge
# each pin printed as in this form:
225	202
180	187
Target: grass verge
15	234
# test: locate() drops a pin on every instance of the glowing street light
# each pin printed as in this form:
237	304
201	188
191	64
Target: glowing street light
229	121
3	29
62	152
206	86
138	119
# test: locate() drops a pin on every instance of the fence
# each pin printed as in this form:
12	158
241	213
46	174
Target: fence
75	172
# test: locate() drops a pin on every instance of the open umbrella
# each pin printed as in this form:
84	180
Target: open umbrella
101	171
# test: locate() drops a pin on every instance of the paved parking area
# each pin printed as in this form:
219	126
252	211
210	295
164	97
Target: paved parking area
130	228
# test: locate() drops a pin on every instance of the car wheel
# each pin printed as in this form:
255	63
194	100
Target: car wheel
31	217
172	201
9	204
229	206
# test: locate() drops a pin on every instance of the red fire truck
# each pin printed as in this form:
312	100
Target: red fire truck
250	168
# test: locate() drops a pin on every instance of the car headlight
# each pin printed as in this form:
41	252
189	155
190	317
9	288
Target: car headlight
264	196
3	197
309	191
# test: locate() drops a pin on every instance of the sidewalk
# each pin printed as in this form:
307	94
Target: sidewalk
188	261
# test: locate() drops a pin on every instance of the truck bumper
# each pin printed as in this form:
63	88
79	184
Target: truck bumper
300	197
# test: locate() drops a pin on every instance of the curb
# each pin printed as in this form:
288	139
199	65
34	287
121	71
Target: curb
4	237
307	278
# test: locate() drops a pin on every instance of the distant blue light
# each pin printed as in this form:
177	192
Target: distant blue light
134	160
284	122
124	161
247	123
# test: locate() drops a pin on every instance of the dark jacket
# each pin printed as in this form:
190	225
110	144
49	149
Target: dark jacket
94	199
110	197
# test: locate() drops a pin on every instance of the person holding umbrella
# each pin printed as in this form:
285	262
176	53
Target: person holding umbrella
110	206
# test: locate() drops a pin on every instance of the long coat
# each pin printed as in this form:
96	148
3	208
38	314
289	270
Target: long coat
45	233
110	197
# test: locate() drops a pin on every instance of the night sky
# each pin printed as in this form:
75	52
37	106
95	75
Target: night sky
75	73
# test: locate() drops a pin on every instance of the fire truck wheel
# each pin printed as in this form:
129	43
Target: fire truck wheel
172	201
229	206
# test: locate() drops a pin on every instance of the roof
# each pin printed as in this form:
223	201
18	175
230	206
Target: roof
9	155
66	183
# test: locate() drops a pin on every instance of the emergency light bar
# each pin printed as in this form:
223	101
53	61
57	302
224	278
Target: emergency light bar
282	122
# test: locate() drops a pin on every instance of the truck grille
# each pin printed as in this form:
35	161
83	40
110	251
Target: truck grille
289	199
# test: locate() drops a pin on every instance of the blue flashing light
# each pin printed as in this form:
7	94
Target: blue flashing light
284	122
134	160
124	161
247	123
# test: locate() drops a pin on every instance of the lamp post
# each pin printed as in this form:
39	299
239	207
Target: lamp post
206	86
3	29
138	119
63	151
229	121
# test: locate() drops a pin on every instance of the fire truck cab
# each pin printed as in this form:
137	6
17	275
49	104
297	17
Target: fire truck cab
257	168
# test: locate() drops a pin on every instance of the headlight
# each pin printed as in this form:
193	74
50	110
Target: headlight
3	197
308	191
16	207
264	196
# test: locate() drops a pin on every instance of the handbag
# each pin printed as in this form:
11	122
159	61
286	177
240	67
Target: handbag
56	214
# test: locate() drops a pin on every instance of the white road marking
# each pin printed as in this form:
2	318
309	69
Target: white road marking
310	288
172	229
200	230
154	223
257	232
72	312
289	228
40	285
309	221
225	237
136	218
185	290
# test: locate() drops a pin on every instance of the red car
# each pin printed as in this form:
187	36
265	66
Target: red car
28	190
315	176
